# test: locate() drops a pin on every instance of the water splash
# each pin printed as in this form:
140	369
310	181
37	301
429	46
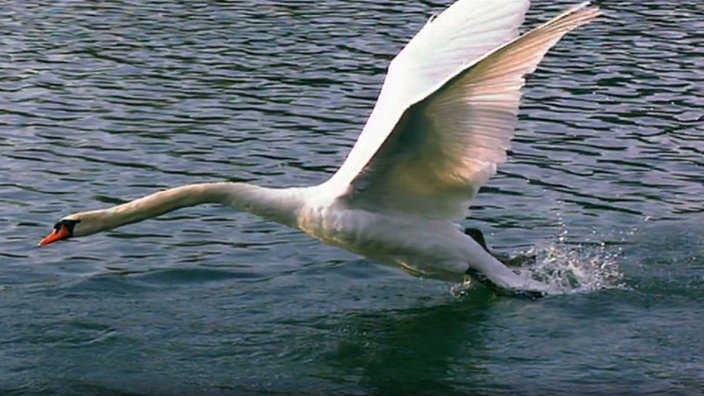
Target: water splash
566	267
569	267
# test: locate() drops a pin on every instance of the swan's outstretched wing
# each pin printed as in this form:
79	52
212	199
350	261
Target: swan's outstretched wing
457	37
447	145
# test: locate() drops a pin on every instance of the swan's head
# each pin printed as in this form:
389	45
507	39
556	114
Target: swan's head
63	229
75	225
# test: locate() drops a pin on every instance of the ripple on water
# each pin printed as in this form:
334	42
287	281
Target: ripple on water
101	102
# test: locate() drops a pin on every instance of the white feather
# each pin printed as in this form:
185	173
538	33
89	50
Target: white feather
446	145
453	40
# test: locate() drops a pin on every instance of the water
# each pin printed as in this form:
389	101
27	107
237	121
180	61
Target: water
104	102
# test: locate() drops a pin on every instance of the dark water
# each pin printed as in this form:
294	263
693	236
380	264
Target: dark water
106	101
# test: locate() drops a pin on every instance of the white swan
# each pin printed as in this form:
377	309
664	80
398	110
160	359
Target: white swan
443	120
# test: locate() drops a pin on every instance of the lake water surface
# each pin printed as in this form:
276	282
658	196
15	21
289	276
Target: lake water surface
102	102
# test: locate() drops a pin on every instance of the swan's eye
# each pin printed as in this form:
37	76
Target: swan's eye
69	224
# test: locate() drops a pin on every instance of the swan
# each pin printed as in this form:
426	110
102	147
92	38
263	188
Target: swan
443	120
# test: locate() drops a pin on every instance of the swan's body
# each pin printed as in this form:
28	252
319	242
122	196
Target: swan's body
443	120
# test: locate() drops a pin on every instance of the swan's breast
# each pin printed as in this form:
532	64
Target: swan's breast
418	245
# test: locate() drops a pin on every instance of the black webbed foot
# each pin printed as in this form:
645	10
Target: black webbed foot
517	261
481	278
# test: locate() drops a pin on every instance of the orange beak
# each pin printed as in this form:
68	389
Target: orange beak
58	234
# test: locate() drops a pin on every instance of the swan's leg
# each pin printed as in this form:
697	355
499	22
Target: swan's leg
518	261
478	237
491	272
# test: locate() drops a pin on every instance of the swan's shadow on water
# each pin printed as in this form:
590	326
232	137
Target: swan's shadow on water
413	351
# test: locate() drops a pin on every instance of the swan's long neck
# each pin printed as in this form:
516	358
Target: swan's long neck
280	205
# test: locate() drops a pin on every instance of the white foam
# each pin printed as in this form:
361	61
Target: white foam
567	267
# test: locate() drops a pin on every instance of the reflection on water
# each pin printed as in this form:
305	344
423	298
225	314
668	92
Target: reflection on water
104	102
414	350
